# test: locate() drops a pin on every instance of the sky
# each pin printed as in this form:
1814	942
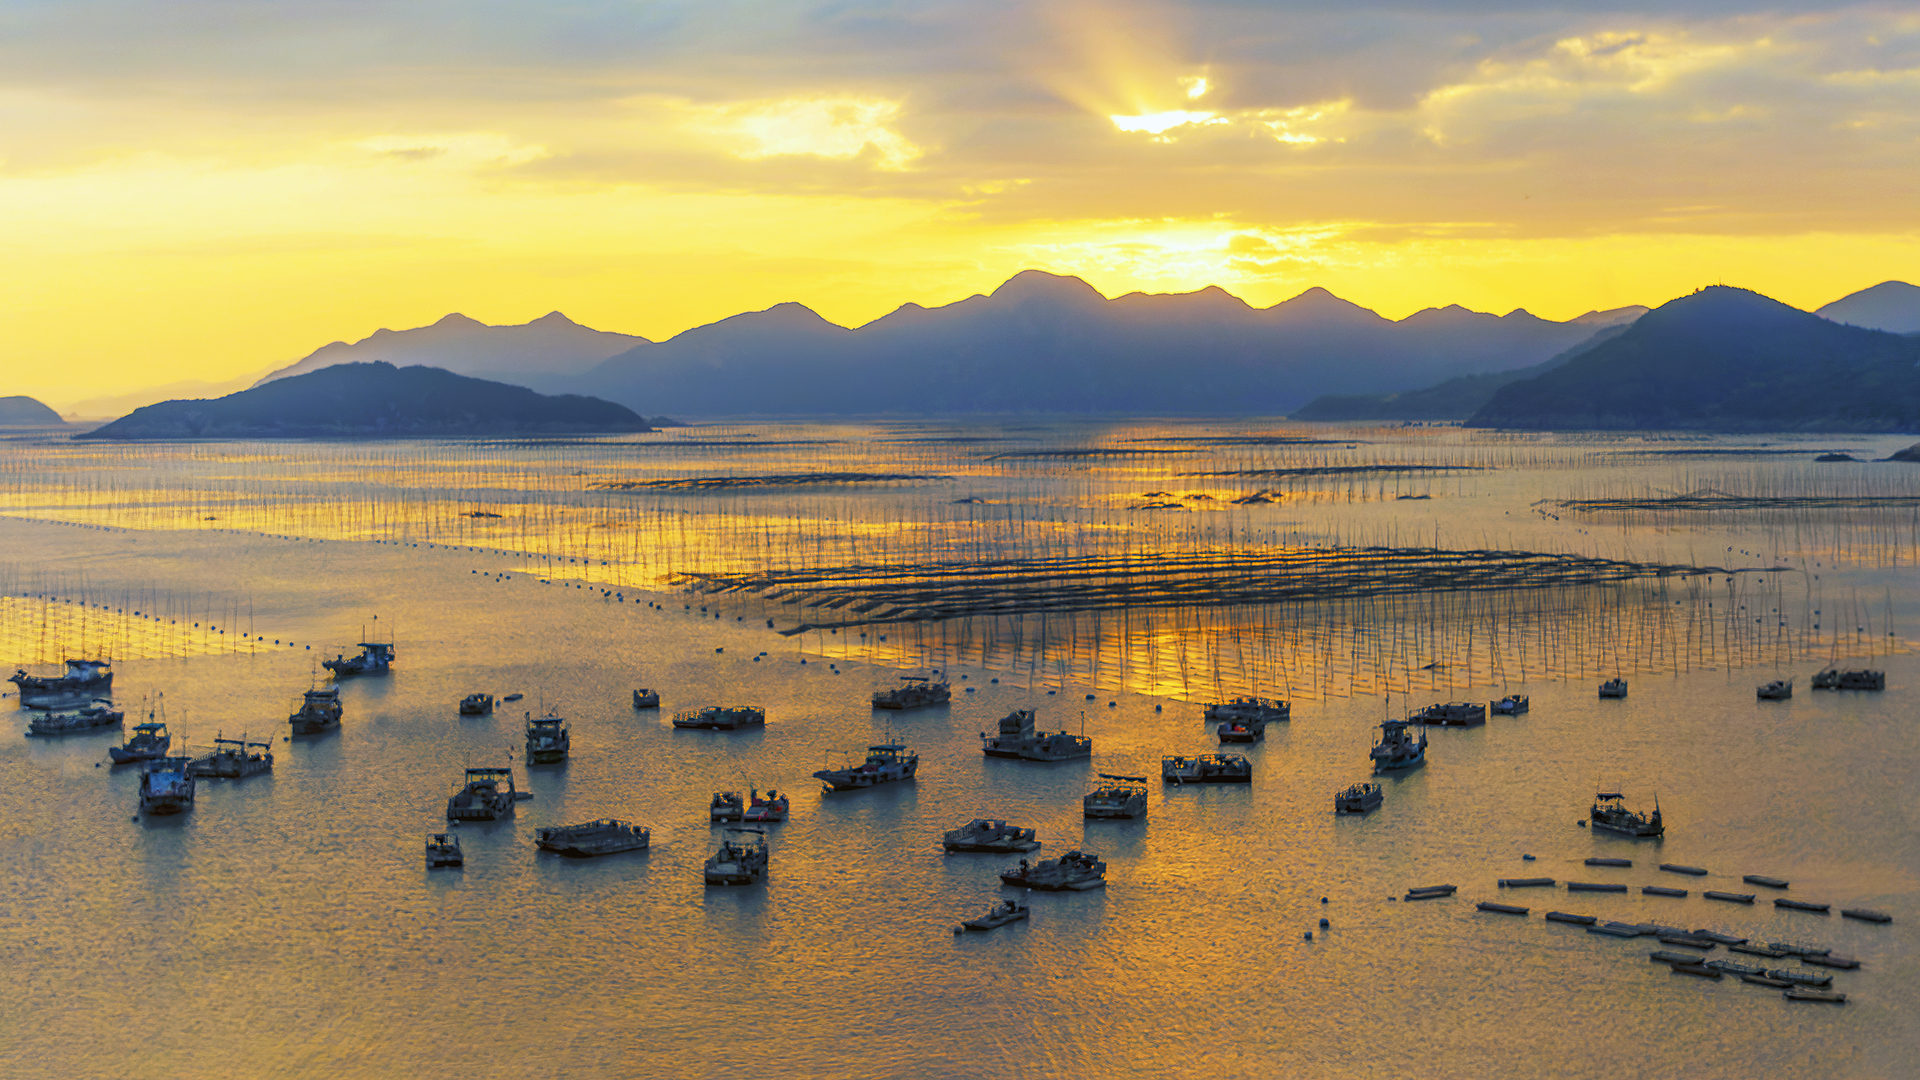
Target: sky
202	190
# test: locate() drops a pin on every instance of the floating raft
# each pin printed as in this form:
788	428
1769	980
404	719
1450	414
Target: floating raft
1801	905
1844	963
1789	948
1762	879
1804	978
1561	916
1795	993
1661	890
1866	915
1758	949
1676	868
1662	956
1763	979
1729	897
1689	941
1619	929
1696	969
1430	892
1503	909
1594	886
1724	939
1609	862
1734	968
1524	882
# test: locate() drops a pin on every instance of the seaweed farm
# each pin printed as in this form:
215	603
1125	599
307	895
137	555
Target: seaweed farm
1100	582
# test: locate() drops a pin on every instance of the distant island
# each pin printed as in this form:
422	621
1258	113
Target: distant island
374	400
1455	399
1724	359
23	411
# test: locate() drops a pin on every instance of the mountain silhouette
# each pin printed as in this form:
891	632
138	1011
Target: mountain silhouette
548	347
374	400
1049	343
23	411
1891	305
1725	359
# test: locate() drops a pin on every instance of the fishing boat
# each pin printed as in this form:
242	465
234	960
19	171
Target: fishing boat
319	711
1206	769
769	808
1777	690
727	806
1396	749
148	741
235	759
1610	813
476	705
548	740
1075	871
721	718
443	849
1359	799
1249	710
1453	714
82	680
1241	731
999	915
741	861
1018	739
486	795
914	692
1828	679
167	786
885	764
644	698
987	834
1613	688
1116	797
100	714
1511	705
604	837
376	658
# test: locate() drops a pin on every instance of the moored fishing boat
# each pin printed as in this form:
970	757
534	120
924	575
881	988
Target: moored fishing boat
376	658
645	698
82	680
721	717
1018	739
1511	705
1613	688
1073	872
443	849
1777	690
167	785
487	794
1396	749
999	915
770	808
986	834
319	711
1835	679
1610	814
1241	731
1206	769
741	861
727	806
548	740
1117	797
1453	714
604	837
1250	710
476	705
886	763
234	759
100	714
1358	799
148	741
915	691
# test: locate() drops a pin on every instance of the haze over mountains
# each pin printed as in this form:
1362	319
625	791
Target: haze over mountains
552	346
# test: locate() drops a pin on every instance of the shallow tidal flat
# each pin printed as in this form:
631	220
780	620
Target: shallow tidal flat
294	908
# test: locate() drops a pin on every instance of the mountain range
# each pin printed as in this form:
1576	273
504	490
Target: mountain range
1724	359
373	400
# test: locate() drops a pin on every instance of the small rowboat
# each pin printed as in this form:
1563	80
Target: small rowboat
1000	915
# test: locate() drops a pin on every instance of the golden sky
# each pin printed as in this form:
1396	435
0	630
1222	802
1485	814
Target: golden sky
199	190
